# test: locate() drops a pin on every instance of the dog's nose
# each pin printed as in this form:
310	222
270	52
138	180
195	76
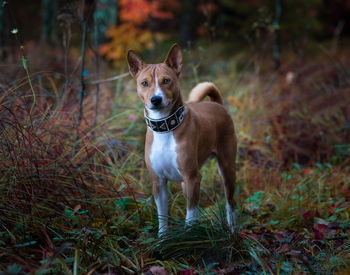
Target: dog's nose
156	100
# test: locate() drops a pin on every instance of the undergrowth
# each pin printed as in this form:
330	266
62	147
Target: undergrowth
91	211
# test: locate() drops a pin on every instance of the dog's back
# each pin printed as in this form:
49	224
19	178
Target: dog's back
210	113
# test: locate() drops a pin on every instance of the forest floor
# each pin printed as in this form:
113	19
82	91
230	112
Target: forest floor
76	199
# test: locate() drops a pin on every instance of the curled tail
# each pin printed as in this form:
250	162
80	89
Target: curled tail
205	89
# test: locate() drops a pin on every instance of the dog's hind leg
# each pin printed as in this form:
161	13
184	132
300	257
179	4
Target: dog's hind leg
227	169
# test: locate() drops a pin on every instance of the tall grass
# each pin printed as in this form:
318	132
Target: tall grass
93	212
49	196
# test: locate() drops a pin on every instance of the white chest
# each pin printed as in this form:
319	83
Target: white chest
163	157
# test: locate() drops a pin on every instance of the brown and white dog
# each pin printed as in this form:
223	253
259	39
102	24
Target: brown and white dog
182	136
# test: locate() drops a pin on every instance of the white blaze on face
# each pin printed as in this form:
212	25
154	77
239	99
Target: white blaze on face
156	114
158	91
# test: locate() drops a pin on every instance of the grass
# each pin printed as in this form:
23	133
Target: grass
92	212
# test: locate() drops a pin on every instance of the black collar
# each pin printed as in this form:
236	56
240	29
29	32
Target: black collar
168	123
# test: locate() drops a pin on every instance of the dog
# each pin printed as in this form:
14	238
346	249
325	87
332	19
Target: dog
181	136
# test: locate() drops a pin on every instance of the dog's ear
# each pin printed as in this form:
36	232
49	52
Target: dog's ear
135	63
174	59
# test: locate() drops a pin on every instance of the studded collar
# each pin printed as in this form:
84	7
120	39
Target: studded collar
168	123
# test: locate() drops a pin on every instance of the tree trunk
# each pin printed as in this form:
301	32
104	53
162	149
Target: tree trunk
276	35
188	22
2	32
49	18
105	14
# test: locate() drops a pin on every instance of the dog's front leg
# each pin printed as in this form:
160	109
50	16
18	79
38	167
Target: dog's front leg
160	194
191	187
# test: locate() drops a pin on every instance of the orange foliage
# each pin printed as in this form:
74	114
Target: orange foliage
124	37
135	11
164	9
131	33
139	11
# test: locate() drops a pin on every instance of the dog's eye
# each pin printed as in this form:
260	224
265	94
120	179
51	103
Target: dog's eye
166	81
144	83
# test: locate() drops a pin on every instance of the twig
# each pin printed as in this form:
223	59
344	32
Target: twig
67	36
343	237
276	35
24	62
109	79
82	77
337	32
97	69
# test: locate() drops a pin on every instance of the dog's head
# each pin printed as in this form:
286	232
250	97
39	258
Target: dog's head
158	85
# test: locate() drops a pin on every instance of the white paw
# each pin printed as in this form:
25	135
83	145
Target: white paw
191	215
162	231
231	216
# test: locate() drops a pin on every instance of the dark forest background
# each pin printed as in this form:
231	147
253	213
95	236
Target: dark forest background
75	195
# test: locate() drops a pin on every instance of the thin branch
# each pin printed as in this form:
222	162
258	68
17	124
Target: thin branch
97	70
109	79
82	74
276	34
